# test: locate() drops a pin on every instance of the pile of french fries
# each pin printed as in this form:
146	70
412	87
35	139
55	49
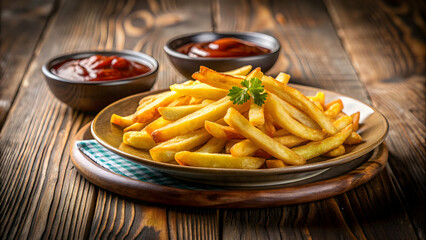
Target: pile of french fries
196	124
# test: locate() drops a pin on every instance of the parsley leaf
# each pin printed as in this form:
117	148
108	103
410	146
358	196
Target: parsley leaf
253	88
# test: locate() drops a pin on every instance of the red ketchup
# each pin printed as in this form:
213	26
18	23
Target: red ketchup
99	68
223	48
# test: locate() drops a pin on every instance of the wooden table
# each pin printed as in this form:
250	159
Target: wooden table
371	50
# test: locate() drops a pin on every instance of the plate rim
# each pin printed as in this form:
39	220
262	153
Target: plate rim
224	171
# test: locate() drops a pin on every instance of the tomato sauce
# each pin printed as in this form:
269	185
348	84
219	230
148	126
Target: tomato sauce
99	68
223	48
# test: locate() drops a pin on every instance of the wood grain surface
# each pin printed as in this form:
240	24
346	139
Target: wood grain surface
371	50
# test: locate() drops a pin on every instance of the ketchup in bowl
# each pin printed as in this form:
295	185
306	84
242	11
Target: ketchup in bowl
99	68
223	48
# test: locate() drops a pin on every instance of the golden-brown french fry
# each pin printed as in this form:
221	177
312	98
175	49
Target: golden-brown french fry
184	100
135	127
214	145
194	120
222	132
217	160
355	121
165	152
256	73
242	125
174	113
296	98
281	132
150	98
354	138
314	149
200	90
195	101
334	109
328	105
150	110
268	127
134	151
156	124
215	79
243	71
248	148
122	122
229	144
256	114
342	122
320	97
339	151
274	164
318	104
283	77
139	139
274	107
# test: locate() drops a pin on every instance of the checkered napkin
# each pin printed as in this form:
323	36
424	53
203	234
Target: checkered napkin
119	165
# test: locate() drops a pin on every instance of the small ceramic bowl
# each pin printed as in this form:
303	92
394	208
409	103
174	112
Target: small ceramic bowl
187	65
95	95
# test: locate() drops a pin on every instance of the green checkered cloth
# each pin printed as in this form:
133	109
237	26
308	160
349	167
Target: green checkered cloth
122	166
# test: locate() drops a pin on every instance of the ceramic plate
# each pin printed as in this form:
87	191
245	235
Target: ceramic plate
373	129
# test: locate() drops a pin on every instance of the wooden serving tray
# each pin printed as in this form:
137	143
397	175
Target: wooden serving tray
285	195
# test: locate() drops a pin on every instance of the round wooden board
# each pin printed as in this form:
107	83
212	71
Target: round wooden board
224	198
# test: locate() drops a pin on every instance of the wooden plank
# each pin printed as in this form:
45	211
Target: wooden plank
22	24
386	43
313	54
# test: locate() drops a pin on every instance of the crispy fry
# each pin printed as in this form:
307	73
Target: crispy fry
165	152
256	114
268	127
296	98
319	97
281	132
150	110
283	77
222	132
243	71
339	151
156	124
122	122
214	145
314	149
216	160
342	122
334	109
283	118
215	79
354	138
174	113
274	164
229	144
135	127
256	73
328	105
200	90
355	121
194	120
134	151
248	148
184	100
242	125
139	139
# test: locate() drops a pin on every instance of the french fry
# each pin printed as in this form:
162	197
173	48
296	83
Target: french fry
268	127
216	160
274	164
200	90
339	151
242	125
319	97
283	77
355	122
281	132
229	144
314	149
328	105
214	145
334	109
222	132
174	113
139	139
215	79
184	100
296	98
165	152
248	148
342	122
150	111
354	138
243	71
256	114
120	121
256	73
195	101
194	120
156	124
283	118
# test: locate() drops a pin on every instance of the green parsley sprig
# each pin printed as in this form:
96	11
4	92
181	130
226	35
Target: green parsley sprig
253	88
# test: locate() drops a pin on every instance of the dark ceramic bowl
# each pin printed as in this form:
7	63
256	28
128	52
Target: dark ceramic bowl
95	95
188	65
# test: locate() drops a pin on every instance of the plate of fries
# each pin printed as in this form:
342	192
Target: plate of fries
242	128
